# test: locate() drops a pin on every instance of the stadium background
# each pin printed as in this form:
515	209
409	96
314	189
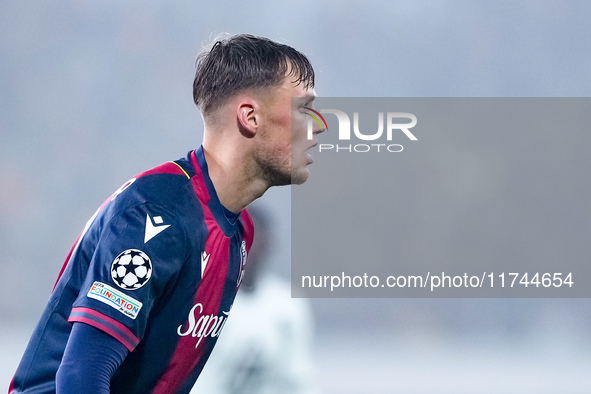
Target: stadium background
94	92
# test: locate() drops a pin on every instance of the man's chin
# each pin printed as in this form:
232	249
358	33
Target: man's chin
299	177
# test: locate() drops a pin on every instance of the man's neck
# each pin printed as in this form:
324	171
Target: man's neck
229	173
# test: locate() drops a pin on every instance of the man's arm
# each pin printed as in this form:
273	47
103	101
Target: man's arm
90	360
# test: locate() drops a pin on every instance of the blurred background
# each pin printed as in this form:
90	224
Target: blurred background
92	93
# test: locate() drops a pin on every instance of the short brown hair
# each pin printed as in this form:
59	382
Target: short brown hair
245	62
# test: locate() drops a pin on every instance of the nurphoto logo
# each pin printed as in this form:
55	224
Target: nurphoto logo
396	122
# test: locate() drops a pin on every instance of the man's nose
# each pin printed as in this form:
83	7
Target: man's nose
318	128
319	125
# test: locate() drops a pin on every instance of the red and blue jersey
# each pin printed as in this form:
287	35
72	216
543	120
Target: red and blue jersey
157	268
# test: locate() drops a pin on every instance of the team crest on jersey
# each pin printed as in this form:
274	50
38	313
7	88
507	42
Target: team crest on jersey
131	269
242	262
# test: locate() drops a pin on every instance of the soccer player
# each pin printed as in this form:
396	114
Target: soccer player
150	281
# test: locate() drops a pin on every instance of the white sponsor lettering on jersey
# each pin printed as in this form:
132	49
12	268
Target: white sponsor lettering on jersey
202	326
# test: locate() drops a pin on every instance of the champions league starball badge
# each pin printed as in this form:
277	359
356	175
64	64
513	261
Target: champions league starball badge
131	269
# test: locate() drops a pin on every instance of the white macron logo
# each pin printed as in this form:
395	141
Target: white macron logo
151	230
204	260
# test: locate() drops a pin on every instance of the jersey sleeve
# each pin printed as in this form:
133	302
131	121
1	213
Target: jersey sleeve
138	256
90	359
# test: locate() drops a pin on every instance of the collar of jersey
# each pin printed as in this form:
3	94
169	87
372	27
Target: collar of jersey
208	194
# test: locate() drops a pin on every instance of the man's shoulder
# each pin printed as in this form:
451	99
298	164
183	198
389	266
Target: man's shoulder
180	167
164	191
166	184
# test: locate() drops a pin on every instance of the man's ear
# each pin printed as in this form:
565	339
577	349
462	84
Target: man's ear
247	115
